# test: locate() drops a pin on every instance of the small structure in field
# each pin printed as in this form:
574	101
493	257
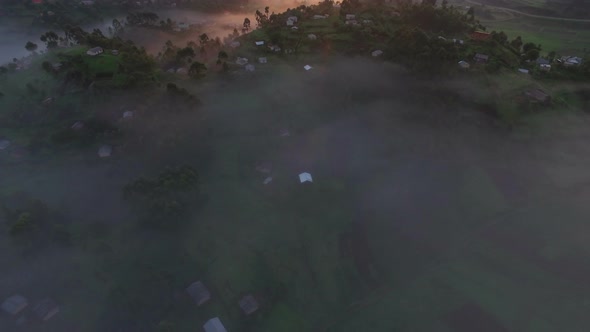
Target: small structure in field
294	28
45	309
95	51
307	67
264	167
14	304
262	60
464	64
538	95
259	43
78	125
292	18
305	177
545	67
523	71
274	48
481	58
241	61
284	133
47	101
250	68
105	151
290	23
4	143
214	325
377	53
248	304
198	292
267	180
570	61
311	36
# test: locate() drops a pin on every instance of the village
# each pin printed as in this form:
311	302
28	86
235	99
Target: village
304	41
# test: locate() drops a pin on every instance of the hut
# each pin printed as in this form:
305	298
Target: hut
105	151
305	177
307	67
241	61
95	51
377	53
198	292
214	325
262	60
14	304
311	36
248	304
45	309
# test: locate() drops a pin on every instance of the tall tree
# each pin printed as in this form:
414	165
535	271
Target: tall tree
50	39
30	46
203	39
197	70
246	24
516	43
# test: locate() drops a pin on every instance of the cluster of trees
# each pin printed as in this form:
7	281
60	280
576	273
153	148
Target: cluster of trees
194	55
445	20
163	201
32	224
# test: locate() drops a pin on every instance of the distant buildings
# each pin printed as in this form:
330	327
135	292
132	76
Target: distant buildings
305	177
464	64
523	71
570	61
14	304
481	58
307	67
262	60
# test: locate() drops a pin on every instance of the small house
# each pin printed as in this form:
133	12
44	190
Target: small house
115	52
305	177
45	309
259	43
319	17
480	35
14	304
545	68
292	18
367	22
350	17
311	36
78	125
542	61
570	61
234	44
290	23
95	51
262	60
523	71
538	95
250	67
248	304
464	64
214	325
198	292
4	143
377	53
47	101
307	67
294	28
481	58
241	61
105	151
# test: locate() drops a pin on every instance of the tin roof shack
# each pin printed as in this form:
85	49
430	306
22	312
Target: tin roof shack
45	309
248	304
538	96
198	292
214	325
14	304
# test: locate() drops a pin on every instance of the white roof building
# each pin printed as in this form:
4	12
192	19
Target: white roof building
262	60
105	151
259	43
311	36
234	44
350	16
524	71
307	67
292	18
95	51
14	304
305	177
290	23
241	61
214	325
377	53
464	64
198	292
